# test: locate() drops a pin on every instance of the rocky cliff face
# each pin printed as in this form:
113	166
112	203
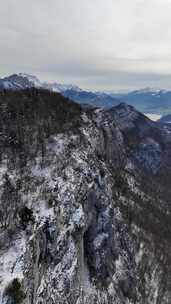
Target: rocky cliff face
85	211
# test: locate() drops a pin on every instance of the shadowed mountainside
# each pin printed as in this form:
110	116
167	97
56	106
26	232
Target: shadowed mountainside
85	203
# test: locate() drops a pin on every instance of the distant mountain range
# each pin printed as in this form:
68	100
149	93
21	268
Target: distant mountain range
166	118
148	100
24	81
145	100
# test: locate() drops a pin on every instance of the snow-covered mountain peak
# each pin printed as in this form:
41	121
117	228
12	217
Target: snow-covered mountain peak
31	78
58	87
147	90
24	80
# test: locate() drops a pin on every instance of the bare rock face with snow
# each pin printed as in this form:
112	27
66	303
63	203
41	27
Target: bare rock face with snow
22	81
84	197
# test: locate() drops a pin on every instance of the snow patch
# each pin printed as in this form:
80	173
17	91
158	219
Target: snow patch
78	217
153	117
11	263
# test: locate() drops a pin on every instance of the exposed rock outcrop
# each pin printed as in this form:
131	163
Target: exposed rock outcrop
85	212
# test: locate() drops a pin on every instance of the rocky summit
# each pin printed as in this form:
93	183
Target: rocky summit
85	213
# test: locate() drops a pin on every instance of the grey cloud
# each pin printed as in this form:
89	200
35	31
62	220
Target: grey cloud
97	44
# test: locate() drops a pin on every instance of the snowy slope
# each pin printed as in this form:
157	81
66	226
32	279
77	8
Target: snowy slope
85	196
24	80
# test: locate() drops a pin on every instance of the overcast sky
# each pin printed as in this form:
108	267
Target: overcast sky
96	44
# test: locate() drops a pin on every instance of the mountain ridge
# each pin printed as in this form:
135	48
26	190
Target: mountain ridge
85	196
147	100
